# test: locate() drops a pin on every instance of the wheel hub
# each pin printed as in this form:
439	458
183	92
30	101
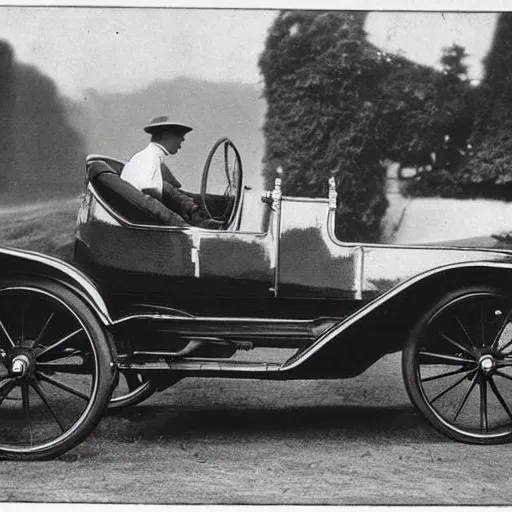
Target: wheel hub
20	366
20	362
487	364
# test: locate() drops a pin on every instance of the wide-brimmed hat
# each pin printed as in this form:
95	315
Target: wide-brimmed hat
164	123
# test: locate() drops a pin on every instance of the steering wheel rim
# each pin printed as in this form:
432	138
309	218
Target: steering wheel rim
232	207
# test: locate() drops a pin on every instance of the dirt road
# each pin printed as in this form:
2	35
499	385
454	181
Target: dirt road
356	441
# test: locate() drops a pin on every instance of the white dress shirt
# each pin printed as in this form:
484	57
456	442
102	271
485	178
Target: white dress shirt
143	170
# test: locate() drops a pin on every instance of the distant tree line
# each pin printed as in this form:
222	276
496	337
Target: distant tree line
41	154
337	103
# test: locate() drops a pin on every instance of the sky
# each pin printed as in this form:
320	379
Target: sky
124	49
421	36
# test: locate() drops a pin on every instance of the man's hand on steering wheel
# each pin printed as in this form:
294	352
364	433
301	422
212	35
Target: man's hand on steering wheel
199	217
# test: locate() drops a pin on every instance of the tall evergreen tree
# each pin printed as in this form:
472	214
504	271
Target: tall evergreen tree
443	124
41	154
49	150
491	163
452	62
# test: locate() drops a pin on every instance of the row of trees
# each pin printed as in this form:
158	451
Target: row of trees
491	137
336	102
41	154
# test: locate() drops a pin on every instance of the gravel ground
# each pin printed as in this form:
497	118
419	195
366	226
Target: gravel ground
220	441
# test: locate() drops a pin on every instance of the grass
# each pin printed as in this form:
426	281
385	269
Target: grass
47	227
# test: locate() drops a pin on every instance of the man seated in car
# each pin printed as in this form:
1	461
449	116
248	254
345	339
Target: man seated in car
147	172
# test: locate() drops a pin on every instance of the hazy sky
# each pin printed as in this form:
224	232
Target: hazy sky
421	36
127	48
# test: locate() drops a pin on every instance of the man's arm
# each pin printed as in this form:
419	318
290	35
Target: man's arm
177	201
168	176
164	215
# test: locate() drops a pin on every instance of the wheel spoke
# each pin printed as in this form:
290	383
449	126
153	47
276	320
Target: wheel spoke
59	343
4	382
76	352
26	408
483	404
56	368
447	374
465	332
43	330
500	397
449	388
77	369
6	387
501	374
464	400
459	349
506	346
62	386
39	391
7	335
502	328
445	357
455	343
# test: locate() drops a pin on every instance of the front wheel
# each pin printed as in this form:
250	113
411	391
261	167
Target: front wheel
457	365
56	370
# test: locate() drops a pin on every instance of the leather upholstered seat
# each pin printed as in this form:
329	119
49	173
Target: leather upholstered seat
126	200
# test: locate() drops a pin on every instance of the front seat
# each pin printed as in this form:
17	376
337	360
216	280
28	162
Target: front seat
126	200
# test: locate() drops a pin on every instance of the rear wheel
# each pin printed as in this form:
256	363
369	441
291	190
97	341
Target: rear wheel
457	365
132	389
56	370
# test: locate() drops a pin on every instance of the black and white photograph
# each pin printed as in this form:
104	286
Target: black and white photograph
255	256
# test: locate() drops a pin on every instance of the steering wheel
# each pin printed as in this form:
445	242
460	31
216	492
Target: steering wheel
221	183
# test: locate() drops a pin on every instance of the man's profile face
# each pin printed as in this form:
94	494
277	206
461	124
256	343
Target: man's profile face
171	141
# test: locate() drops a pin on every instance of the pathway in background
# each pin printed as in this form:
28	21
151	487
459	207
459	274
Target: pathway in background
438	219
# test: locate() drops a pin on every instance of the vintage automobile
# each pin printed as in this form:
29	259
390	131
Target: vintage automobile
146	304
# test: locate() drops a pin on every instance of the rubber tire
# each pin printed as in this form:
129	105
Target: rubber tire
145	391
105	366
409	368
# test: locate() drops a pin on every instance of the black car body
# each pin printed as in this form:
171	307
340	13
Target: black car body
154	303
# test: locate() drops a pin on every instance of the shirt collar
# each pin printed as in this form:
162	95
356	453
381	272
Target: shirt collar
164	151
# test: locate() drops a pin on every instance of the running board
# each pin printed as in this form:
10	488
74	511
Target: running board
199	365
236	328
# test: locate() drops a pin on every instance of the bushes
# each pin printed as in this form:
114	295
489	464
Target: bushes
336	102
320	79
486	171
491	162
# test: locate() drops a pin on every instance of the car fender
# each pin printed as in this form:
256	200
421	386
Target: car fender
23	263
415	292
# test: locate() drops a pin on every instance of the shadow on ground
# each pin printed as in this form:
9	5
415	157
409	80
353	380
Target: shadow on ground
171	424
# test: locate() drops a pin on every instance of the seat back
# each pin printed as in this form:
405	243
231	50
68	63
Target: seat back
124	198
